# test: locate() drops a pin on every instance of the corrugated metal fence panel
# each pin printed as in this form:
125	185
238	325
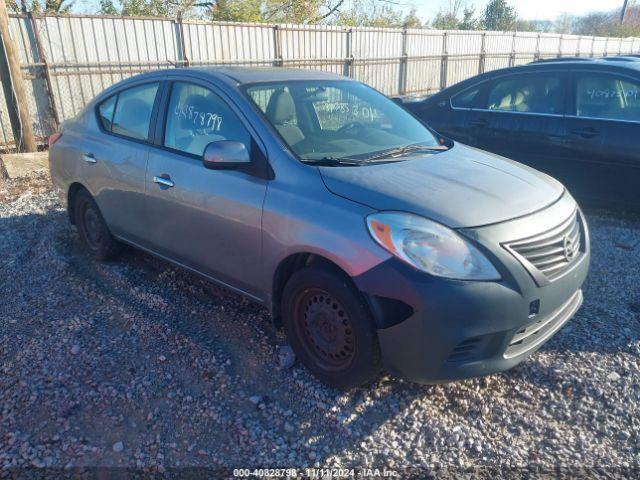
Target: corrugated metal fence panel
377	55
424	60
463	49
585	46
613	46
599	46
314	46
86	54
224	44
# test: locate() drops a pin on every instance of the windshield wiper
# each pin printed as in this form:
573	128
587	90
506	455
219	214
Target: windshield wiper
333	161
397	152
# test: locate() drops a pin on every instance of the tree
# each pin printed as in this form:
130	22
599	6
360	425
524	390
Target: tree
235	11
447	18
564	23
107	7
373	13
147	8
51	6
469	20
499	15
411	19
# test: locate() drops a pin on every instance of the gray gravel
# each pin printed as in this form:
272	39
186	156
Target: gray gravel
142	364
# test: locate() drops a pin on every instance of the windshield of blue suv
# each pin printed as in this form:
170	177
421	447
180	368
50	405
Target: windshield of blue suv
340	120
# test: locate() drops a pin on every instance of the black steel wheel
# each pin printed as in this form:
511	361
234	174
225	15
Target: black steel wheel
325	329
92	229
330	328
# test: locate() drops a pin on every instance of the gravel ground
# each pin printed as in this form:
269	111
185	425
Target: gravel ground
138	363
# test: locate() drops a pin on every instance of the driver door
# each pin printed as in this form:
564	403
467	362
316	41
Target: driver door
206	220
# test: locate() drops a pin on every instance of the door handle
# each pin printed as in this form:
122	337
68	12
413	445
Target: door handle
480	123
89	158
585	132
163	181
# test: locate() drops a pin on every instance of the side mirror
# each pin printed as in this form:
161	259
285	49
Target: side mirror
398	100
226	155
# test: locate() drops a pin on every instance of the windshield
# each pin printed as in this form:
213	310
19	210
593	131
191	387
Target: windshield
336	119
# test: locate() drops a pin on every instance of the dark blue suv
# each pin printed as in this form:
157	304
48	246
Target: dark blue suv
575	119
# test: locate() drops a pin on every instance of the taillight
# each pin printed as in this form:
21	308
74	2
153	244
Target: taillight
54	138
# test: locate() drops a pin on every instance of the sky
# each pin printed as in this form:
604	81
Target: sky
527	9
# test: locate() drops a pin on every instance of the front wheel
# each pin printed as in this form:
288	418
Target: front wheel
330	327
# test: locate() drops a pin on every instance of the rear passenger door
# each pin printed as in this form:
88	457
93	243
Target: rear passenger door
521	117
604	138
114	161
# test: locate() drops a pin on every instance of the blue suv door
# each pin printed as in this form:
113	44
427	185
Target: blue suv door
603	138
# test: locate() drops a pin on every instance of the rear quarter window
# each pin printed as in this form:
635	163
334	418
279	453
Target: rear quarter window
105	112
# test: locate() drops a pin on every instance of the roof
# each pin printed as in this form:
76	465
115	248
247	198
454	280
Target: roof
267	74
625	61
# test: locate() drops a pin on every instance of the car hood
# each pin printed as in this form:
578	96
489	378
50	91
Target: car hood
461	187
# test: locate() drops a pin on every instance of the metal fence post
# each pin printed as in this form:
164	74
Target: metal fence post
277	47
578	49
593	46
606	47
402	80
536	55
444	62
560	45
183	45
347	70
483	53
512	56
47	70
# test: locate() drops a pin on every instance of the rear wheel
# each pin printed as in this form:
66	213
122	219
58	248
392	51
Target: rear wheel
330	328
92	228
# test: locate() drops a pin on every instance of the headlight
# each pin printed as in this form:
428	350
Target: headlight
430	246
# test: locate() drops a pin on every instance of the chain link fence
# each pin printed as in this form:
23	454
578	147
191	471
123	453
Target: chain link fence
67	60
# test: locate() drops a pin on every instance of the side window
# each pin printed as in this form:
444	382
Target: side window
105	112
539	93
607	96
197	117
465	99
133	111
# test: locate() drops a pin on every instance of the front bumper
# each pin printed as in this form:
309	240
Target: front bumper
435	330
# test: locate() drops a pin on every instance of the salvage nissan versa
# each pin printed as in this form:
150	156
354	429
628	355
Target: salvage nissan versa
373	242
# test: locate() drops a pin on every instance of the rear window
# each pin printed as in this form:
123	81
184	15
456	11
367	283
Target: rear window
608	97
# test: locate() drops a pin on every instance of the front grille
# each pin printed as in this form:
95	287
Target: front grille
534	334
553	252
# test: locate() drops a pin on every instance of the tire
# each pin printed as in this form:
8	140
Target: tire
92	229
330	327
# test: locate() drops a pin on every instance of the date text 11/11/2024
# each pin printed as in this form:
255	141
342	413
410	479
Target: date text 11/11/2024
315	473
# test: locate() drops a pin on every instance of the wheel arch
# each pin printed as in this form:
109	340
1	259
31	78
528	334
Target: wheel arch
72	192
290	265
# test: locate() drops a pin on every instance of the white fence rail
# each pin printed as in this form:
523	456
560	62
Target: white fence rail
67	60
